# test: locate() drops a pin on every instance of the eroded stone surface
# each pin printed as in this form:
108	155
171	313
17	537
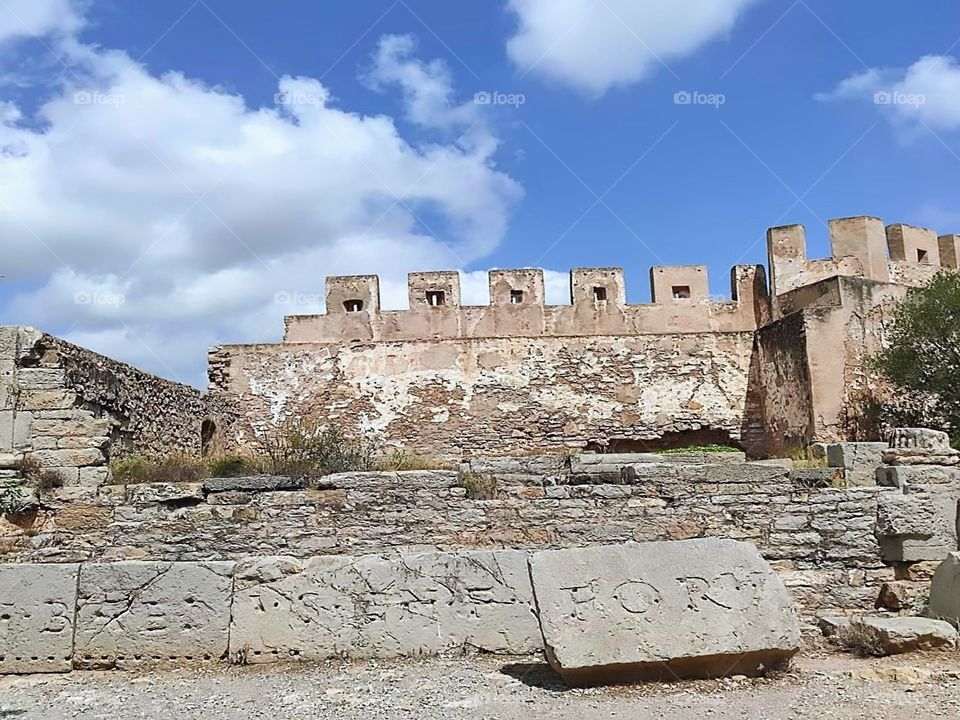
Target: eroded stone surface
696	608
141	612
37	605
893	636
945	590
917	526
383	606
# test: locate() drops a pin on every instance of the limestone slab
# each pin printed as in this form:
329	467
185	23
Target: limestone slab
132	613
37	606
916	527
382	606
945	590
258	483
896	635
662	610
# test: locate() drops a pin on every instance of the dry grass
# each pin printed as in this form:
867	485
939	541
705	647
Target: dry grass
859	639
479	487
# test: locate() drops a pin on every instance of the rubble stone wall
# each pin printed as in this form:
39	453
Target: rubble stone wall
72	409
820	539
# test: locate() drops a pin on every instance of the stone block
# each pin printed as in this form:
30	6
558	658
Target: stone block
262	483
133	613
95	476
945	590
14	429
382	606
902	476
921	456
919	438
916	527
662	610
37	606
60	399
41	379
159	493
900	595
893	636
859	460
81	457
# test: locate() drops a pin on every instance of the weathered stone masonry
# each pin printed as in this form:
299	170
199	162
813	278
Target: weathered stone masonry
72	409
770	372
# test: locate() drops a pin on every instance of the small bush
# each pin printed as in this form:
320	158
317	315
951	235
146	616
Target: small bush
49	480
134	470
233	466
304	448
860	639
699	448
479	487
29	467
402	459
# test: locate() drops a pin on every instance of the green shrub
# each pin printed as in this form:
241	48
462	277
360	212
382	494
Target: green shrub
923	356
304	448
699	448
135	470
233	466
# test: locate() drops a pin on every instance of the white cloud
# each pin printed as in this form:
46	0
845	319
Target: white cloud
197	209
594	45
926	93
37	18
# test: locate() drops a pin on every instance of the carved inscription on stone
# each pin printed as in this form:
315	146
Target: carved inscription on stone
130	613
36	617
383	606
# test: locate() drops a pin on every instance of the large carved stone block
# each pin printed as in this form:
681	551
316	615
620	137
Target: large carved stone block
920	446
382	606
663	610
916	526
37	606
132	613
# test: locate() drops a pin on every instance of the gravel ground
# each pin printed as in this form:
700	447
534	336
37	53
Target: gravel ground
820	686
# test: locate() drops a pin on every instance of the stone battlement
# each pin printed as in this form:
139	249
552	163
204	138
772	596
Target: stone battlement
680	303
860	247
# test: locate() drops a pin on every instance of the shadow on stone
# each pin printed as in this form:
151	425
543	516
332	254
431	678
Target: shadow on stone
537	675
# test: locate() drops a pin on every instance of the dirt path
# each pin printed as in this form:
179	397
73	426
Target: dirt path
820	686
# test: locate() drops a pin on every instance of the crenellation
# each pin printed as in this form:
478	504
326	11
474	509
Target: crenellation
598	288
949	248
435	290
522	287
911	244
679	283
353	294
863	238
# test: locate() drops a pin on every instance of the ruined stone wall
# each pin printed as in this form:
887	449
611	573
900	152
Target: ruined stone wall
72	409
494	395
821	540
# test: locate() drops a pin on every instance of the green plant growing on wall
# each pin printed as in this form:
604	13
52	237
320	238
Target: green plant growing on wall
923	355
304	447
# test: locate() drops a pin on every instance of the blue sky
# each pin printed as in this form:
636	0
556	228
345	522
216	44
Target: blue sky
179	174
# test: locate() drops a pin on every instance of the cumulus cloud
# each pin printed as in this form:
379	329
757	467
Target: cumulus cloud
37	18
926	93
149	217
594	45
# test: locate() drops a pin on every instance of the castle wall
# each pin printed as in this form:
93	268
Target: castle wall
493	395
72	409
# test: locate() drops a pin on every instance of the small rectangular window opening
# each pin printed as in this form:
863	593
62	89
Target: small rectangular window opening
353	305
922	257
599	294
681	292
436	298
516	297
